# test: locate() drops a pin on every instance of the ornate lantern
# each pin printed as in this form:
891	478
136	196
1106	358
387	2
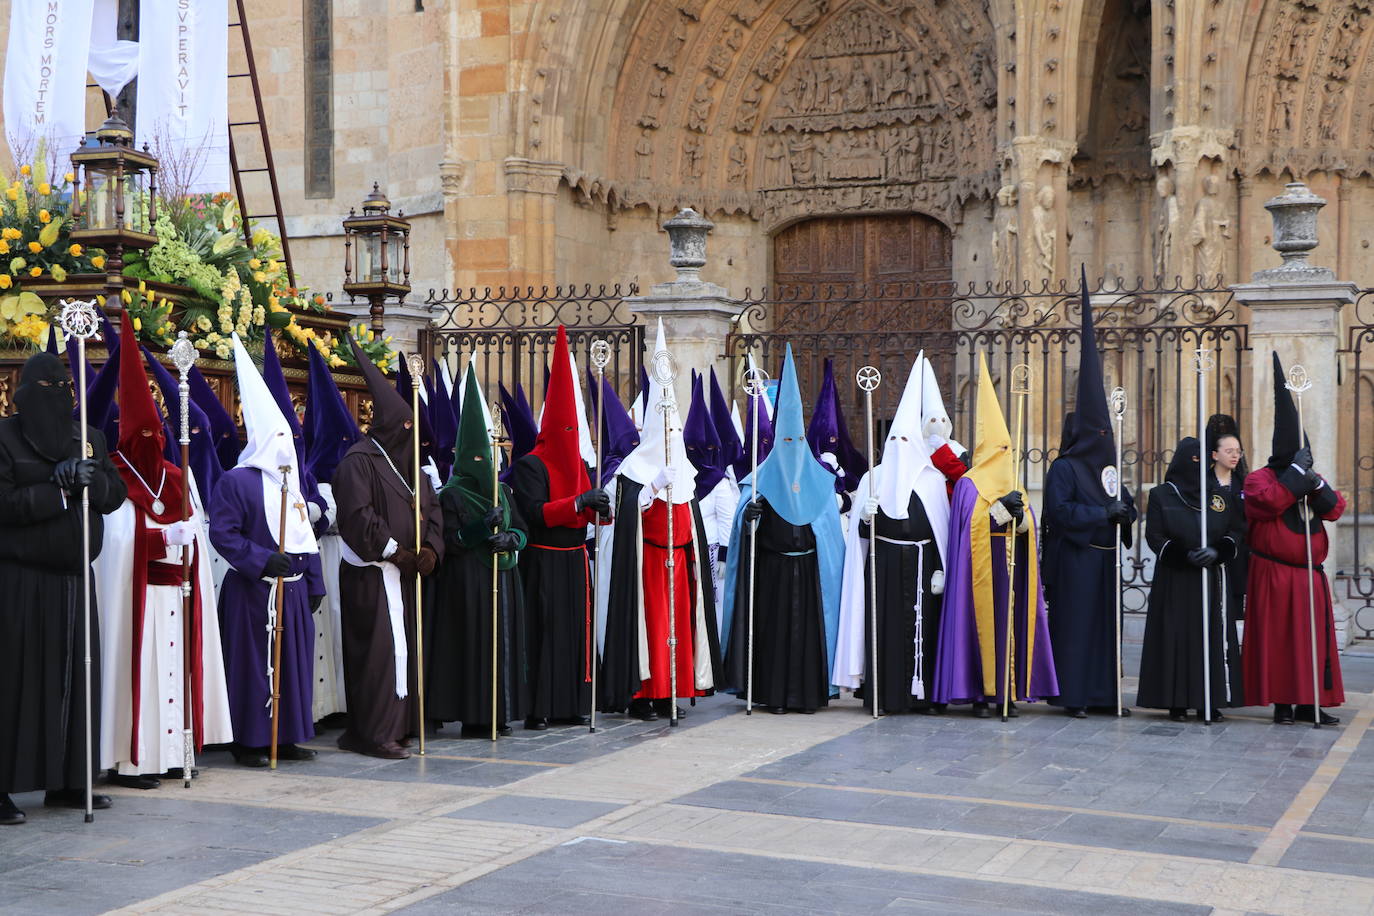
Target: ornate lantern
114	200
377	254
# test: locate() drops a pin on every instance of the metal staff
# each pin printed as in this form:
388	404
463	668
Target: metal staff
496	436
665	373
78	319
755	384
278	623
1298	382
184	357
1020	390
1118	404
601	355
1202	361
416	364
869	378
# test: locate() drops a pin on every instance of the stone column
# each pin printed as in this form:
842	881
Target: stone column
1295	309
696	313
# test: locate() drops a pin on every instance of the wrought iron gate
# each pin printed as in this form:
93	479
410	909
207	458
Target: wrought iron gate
1354	555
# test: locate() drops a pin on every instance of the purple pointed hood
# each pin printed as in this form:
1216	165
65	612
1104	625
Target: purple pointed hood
519	422
224	432
754	408
828	432
204	462
443	419
330	429
102	411
404	386
731	449
275	378
617	429
52	339
702	442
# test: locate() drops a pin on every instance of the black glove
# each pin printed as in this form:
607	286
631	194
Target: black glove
1117	512
504	542
595	499
846	503
753	509
277	565
315	602
64	474
1203	557
85	472
1303	458
495	516
1313	480
1015	505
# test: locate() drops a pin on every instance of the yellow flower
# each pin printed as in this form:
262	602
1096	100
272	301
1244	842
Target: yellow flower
371	335
5	281
25	170
97	262
12	193
260	277
45	189
35	271
35	248
254	263
44	216
124	294
75	251
11	233
143	286
70	177
138	323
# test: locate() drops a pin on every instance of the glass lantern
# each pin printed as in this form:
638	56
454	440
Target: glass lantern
115	196
376	254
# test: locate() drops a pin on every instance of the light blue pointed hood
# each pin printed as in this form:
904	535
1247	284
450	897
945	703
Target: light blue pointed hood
795	483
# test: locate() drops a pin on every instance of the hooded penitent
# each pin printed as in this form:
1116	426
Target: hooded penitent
330	429
649	457
702	443
275	378
1288	435
559	443
391	416
1183	471
473	472
223	430
443	417
935	419
618	428
828	432
905	467
405	387
518	419
1092	448
584	434
44	399
204	462
731	448
270	448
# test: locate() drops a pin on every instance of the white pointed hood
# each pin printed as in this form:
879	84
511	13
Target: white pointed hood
905	466
935	419
649	457
271	447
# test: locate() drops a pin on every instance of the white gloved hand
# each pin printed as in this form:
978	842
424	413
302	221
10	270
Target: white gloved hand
870	509
829	460
181	534
937	582
313	511
667	476
934	442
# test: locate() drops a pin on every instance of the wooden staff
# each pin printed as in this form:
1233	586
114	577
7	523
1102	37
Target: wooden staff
868	379
416	364
1202	361
496	435
1020	390
601	355
1118	404
78	319
184	357
755	385
665	373
1298	382
278	623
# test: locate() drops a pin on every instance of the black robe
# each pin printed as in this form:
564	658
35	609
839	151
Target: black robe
459	673
620	654
559	624
791	665
374	506
897	600
42	677
1078	569
1171	659
1238	567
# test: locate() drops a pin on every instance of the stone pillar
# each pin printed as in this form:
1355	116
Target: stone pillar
1295	309
696	313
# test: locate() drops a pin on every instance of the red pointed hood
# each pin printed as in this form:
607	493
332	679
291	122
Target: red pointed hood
557	445
140	457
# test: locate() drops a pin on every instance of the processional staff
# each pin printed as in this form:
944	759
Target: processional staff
184	357
78	319
1203	362
665	373
868	379
1020	391
416	363
497	437
755	384
1118	405
277	624
1299	382
601	355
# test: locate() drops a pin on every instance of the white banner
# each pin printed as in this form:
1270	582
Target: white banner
183	91
45	77
113	62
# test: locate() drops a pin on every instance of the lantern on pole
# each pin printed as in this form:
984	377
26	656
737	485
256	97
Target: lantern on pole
377	255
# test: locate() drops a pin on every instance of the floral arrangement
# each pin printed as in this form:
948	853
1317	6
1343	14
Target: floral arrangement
235	275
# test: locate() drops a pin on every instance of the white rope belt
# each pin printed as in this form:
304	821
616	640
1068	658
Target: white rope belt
272	626
395	608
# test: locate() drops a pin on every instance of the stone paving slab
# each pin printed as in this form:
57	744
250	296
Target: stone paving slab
540	812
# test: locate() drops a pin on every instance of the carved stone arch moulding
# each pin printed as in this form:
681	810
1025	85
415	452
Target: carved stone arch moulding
777	109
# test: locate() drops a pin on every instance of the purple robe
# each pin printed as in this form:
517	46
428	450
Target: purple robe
239	531
958	666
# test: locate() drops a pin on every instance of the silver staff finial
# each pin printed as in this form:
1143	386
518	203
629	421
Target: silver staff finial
416	363
1117	399
184	353
868	378
1298	380
601	354
79	318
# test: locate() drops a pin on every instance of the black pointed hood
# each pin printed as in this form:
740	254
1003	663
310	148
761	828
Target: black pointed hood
1288	435
1088	441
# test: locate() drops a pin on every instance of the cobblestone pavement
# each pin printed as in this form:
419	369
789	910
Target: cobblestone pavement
831	813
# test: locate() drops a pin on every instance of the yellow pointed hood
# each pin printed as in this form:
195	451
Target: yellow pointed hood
992	470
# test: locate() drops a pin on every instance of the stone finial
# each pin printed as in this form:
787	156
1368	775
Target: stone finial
687	243
1294	213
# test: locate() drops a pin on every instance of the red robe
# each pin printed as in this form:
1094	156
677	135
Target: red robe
659	684
947	463
1277	653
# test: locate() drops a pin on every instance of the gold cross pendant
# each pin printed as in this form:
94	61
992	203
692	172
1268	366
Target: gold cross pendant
300	507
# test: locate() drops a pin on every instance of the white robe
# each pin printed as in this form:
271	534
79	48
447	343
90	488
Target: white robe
162	686
718	517
329	678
